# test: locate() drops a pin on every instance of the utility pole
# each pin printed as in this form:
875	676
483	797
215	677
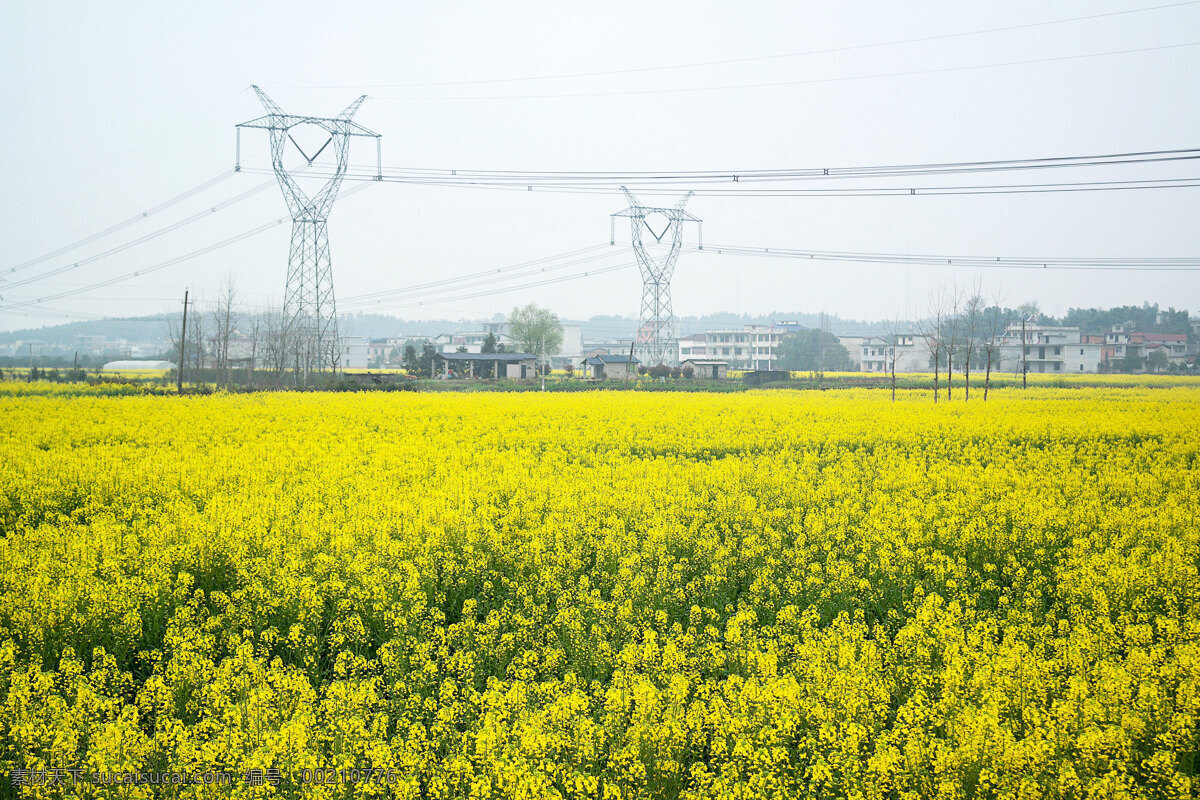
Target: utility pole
75	362
1024	364
31	362
182	344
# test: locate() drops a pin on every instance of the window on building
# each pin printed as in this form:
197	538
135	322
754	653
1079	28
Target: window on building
1057	366
1058	351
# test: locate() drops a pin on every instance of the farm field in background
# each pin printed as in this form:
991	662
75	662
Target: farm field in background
608	594
163	383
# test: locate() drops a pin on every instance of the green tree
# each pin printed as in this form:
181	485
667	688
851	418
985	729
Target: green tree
412	362
428	354
1158	361
490	343
813	350
535	330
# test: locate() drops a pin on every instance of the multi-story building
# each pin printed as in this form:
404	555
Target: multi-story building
910	351
853	345
1047	348
1175	345
91	343
751	347
380	350
692	346
353	352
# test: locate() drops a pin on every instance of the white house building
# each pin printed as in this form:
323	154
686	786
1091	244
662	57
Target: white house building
910	350
353	352
1049	349
752	347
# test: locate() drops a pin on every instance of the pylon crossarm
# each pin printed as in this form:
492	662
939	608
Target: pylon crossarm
352	109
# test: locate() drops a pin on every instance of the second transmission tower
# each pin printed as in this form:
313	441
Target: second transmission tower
309	307
656	341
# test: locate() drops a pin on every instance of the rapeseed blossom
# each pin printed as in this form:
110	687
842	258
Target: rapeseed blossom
618	595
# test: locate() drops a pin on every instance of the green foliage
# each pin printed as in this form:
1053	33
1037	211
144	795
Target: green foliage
411	361
1144	318
813	350
535	330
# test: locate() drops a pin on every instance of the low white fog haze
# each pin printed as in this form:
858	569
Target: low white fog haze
112	108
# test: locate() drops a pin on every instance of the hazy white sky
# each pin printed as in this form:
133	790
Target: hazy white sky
113	107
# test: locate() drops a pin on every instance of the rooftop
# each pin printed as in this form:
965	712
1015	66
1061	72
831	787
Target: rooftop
505	357
606	359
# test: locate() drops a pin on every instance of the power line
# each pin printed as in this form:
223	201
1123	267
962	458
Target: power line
137	217
751	59
133	243
506	289
1100	264
489	276
147	270
802	82
1140	264
164	264
878	191
524	177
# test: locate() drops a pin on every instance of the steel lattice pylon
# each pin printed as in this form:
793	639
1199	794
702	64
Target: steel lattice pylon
309	306
656	338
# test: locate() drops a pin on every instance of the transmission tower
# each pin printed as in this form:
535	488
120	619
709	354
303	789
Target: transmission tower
309	307
656	339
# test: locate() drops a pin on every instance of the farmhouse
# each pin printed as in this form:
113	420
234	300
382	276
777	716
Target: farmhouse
488	365
604	366
710	368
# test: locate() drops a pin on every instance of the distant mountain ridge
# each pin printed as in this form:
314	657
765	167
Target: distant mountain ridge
155	328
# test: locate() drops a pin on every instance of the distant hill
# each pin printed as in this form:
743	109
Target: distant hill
372	326
132	329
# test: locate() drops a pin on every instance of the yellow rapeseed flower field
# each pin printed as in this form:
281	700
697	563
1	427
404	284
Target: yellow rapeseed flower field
611	594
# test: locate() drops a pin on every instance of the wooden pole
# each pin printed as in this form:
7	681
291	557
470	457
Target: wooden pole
182	345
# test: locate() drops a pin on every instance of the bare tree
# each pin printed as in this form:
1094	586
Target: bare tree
255	327
225	319
993	330
931	330
891	335
276	342
972	319
195	348
953	329
175	338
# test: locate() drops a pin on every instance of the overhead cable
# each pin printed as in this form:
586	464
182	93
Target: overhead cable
174	226
125	223
752	59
